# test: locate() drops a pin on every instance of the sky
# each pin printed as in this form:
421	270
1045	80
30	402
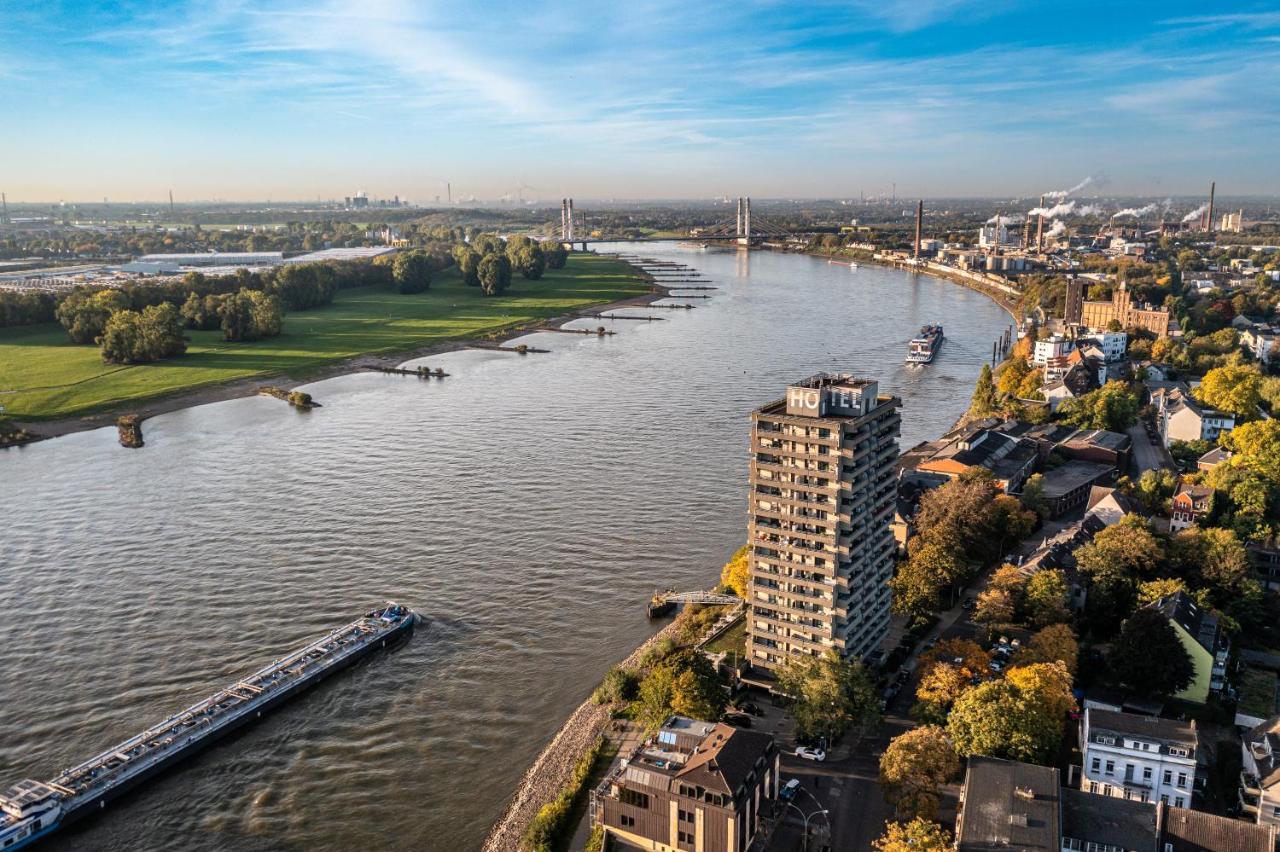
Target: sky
306	99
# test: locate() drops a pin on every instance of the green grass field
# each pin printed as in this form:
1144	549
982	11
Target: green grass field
44	376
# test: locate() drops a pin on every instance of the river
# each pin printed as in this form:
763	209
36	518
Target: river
525	506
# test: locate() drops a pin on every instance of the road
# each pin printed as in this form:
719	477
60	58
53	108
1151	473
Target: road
1147	454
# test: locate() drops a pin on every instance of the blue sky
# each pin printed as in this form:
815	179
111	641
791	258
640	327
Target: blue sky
651	98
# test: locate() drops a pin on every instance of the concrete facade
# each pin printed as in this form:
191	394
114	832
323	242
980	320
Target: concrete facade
823	494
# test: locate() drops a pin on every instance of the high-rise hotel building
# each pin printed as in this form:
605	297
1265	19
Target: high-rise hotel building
823	491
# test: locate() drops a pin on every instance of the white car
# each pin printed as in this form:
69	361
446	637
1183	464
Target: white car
811	753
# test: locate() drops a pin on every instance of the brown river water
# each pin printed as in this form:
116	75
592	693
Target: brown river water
526	507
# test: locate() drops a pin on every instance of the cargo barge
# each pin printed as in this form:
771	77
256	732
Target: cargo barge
924	348
31	810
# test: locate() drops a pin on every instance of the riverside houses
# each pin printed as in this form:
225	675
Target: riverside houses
1139	757
693	787
823	494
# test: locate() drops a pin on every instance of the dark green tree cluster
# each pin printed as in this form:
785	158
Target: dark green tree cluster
494	272
132	337
26	308
684	683
1149	658
246	315
84	313
526	257
411	271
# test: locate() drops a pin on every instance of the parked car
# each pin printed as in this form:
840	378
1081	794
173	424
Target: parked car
968	603
738	720
996	666
902	677
890	692
789	789
809	753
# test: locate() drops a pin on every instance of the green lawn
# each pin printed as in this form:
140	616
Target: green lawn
734	639
43	375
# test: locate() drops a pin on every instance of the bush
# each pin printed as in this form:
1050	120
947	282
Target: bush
300	399
618	686
552	820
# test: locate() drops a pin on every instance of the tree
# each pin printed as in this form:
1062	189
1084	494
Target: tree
1218	559
696	690
1047	598
1000	718
1257	447
618	686
1112	407
919	835
411	271
1054	644
201	312
995	606
946	671
1033	495
468	265
914	765
1049	683
131	337
1153	590
653	705
1154	488
1233	389
84	313
266	314
1011	377
555	254
526	258
984	394
829	694
495	273
1117	559
1148	656
733	575
250	315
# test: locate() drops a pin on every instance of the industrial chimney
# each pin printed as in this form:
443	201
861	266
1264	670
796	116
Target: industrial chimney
1040	228
1208	225
919	220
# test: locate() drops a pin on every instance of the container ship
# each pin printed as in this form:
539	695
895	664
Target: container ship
923	348
31	810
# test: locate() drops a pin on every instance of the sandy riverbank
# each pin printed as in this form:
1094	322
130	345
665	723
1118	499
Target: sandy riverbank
239	388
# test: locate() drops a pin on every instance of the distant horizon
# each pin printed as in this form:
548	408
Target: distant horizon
649	100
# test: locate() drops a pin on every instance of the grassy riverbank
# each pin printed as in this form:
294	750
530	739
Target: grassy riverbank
44	376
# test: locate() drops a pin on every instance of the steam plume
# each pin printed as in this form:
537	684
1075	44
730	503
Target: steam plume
1195	214
1063	193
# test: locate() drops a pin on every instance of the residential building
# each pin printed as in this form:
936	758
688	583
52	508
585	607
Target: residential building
1260	772
1093	823
693	787
1185	830
1008	805
1110	506
1212	459
1260	339
1113	344
1120	308
1264	556
1067	486
1054	346
1077	380
1011	459
1190	503
1182	418
1138	757
1094	445
823	494
1205	640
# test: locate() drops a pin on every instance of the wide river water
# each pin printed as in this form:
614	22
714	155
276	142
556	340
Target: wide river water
525	506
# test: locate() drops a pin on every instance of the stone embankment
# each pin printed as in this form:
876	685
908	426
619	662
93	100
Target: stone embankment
553	768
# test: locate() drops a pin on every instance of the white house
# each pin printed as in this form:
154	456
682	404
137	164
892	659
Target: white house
1139	757
1260	772
1181	418
1113	345
1054	346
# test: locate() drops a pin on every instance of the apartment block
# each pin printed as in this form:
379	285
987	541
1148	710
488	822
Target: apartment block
693	787
1141	758
823	493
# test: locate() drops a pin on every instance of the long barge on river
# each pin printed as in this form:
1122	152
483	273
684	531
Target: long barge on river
30	809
